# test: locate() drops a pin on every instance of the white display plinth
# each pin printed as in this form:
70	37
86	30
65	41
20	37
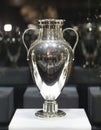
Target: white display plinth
25	119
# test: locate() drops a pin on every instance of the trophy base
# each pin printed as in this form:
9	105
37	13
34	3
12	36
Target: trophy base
42	114
50	109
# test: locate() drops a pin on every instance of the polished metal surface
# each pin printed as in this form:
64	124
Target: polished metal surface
50	58
50	109
42	114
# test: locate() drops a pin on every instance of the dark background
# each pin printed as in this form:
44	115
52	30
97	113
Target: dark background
75	11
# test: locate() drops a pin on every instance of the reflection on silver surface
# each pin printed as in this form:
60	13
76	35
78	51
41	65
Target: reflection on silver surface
50	58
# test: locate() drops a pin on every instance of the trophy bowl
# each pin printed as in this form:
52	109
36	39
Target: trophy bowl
50	58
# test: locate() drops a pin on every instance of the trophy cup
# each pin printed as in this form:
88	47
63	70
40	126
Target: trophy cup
89	44
12	40
50	59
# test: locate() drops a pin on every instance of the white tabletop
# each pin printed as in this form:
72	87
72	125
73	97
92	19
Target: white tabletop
25	119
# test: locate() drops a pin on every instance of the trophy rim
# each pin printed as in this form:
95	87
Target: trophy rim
51	21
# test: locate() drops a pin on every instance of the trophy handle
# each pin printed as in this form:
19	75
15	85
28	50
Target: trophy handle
23	35
77	37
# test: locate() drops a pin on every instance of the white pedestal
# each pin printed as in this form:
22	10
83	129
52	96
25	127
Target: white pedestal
25	119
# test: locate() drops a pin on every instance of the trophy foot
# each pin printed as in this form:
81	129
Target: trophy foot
50	109
42	114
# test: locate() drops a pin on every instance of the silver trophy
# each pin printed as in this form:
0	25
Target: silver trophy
50	58
89	44
12	40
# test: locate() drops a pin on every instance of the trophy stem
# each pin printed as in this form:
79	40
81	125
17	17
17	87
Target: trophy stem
50	109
